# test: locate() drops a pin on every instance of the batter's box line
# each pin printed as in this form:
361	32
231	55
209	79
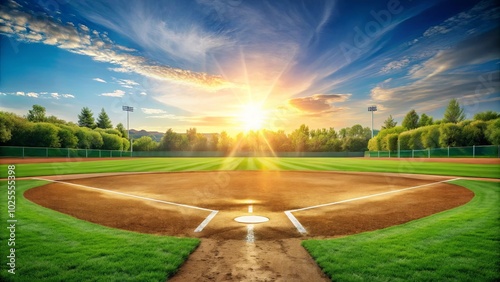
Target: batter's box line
198	229
301	228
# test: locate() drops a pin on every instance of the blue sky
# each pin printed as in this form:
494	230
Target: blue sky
238	64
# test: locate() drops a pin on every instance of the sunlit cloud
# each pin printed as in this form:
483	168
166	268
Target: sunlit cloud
318	103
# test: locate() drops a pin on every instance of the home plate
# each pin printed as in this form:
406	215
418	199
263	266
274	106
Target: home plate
251	219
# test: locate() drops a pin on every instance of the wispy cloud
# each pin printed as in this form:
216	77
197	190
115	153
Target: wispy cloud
99	80
41	95
116	93
149	111
39	28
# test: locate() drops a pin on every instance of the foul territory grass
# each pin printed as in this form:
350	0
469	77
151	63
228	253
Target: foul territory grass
200	164
51	246
461	244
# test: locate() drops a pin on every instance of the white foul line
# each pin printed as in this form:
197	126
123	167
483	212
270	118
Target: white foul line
295	222
198	229
302	230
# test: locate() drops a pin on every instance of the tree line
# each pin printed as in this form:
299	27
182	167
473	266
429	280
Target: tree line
416	132
38	130
302	139
422	132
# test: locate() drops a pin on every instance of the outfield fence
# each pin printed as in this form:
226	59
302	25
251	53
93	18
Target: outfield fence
492	151
42	152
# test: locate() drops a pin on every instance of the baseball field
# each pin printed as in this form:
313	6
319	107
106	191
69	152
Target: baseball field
340	219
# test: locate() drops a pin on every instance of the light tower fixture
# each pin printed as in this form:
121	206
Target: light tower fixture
128	110
372	109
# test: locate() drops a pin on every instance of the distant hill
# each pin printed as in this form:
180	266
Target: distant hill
155	135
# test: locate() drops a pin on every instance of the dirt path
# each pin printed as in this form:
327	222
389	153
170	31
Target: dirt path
237	260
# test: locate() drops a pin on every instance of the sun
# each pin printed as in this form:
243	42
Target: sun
252	117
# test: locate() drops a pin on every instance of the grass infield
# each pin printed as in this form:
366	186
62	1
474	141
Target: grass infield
461	244
205	164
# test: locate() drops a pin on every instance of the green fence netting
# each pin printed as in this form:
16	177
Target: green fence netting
492	151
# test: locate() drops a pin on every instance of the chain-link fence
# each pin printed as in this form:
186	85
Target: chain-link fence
38	152
448	152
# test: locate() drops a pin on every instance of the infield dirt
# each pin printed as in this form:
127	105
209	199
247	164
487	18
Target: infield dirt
276	254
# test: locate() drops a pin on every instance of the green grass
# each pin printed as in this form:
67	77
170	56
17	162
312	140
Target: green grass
461	244
51	246
201	164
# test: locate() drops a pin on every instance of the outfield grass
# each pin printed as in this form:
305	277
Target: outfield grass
201	164
51	246
461	244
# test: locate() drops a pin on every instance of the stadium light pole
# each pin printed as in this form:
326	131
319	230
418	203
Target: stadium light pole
128	110
372	109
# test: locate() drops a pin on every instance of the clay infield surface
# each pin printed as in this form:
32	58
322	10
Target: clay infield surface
232	251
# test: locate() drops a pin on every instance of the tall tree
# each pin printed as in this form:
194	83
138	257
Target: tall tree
103	120
122	130
37	114
411	120
454	113
389	123
86	118
425	120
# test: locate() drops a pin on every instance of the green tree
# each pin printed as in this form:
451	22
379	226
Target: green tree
122	130
6	126
450	135
145	143
103	120
172	141
44	135
493	132
392	141
37	114
86	118
454	113
389	123
55	120
111	141
67	136
486	116
425	120
430	137
225	142
299	138
411	120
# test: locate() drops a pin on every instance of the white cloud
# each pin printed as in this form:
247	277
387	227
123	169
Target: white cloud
32	94
153	111
143	93
55	95
99	80
395	65
68	95
116	93
380	94
19	93
99	47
